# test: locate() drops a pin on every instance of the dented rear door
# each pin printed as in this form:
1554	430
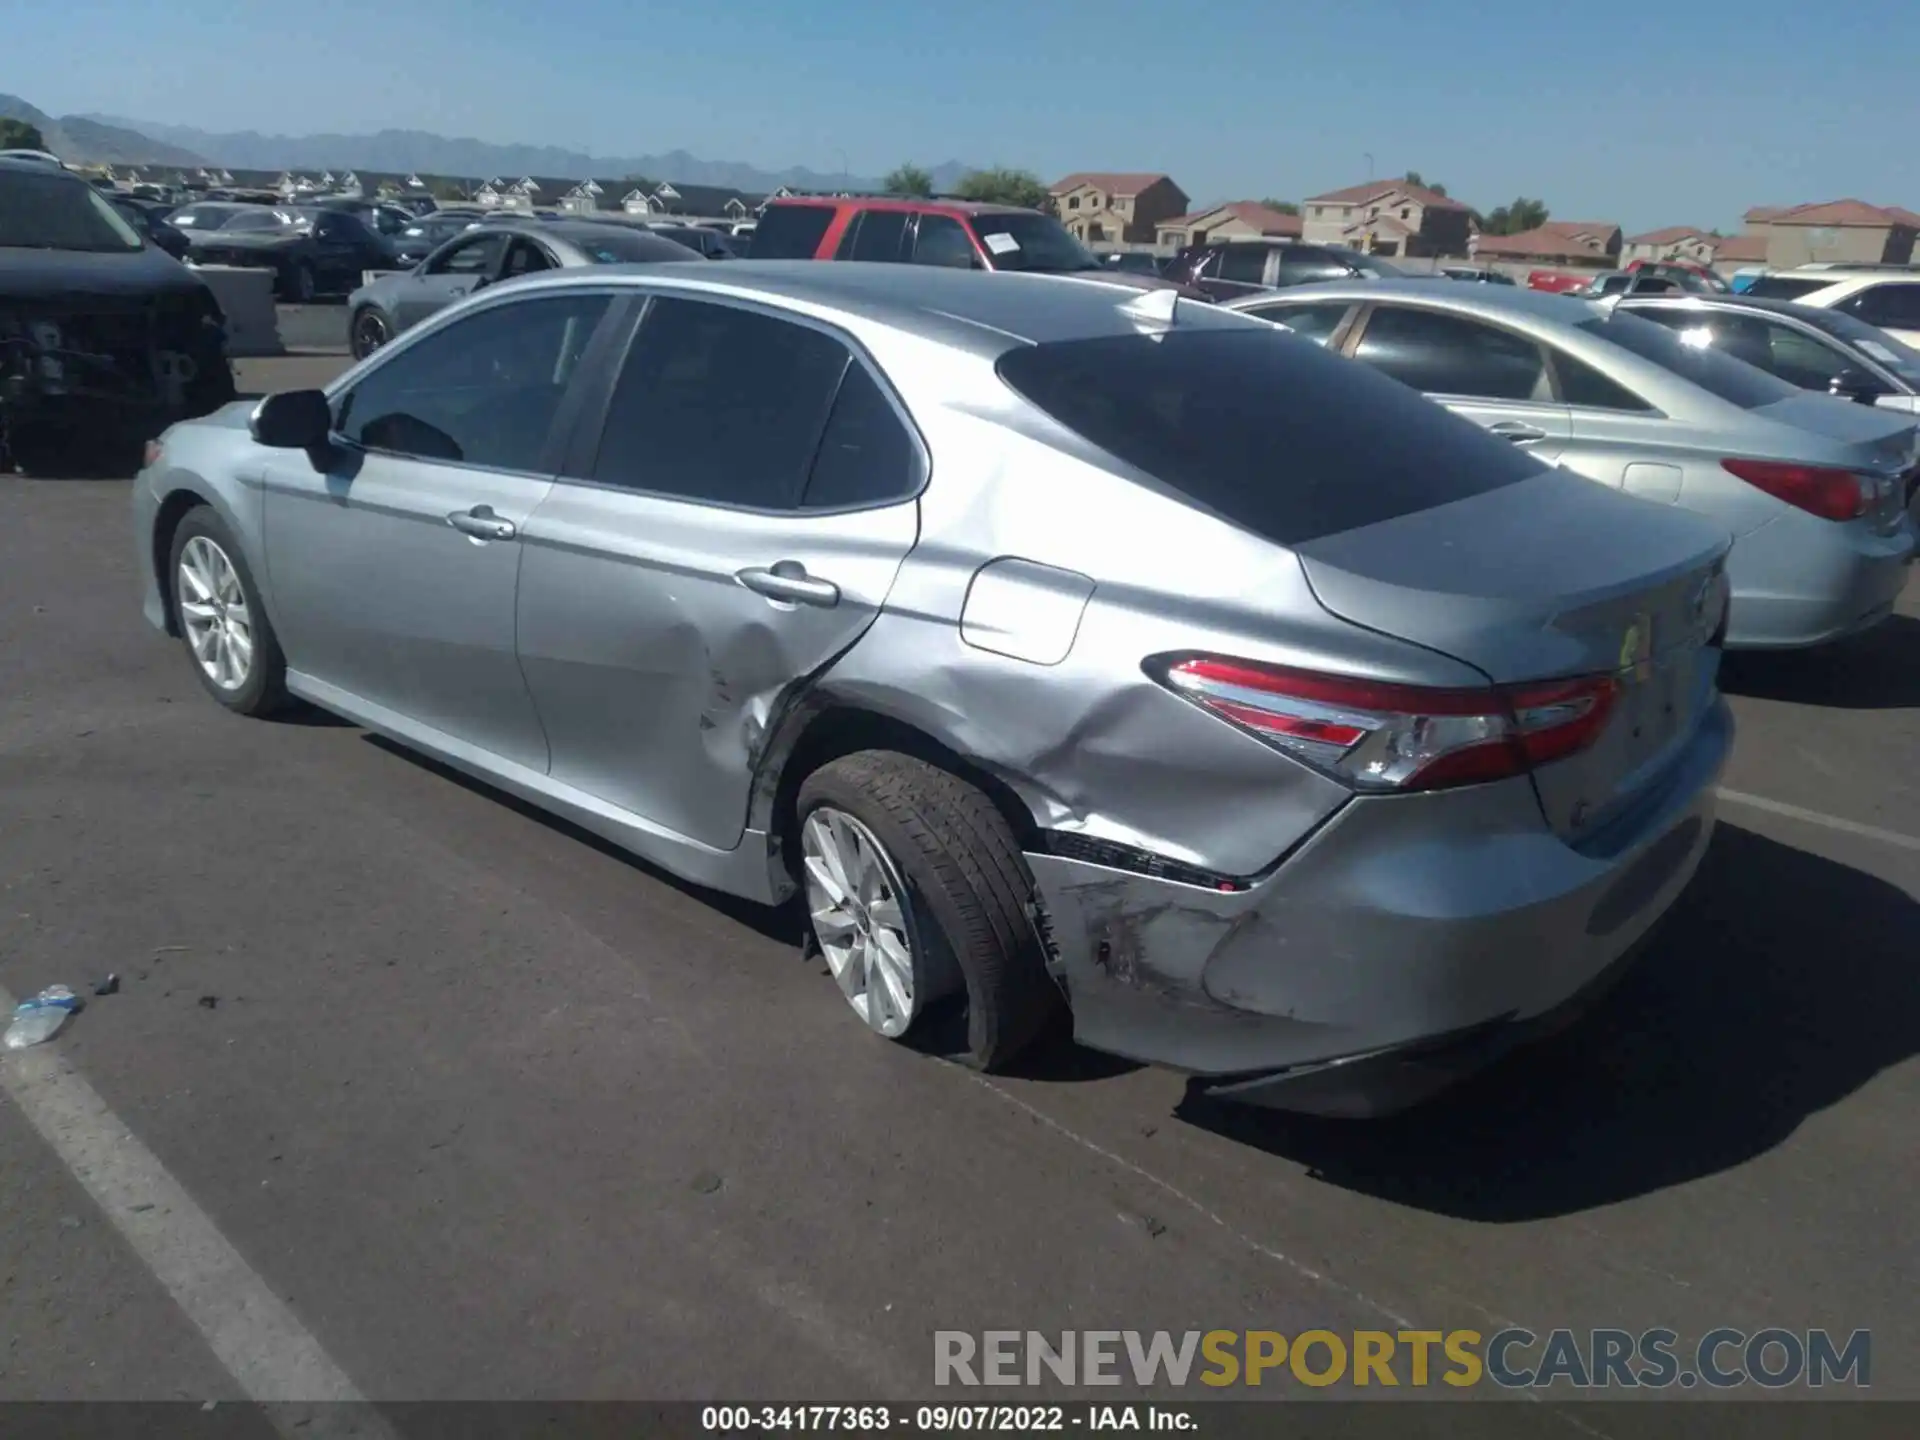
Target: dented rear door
730	525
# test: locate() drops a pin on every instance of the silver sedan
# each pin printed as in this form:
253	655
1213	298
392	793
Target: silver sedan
1813	489
1066	647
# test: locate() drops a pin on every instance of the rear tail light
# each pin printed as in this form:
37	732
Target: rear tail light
1830	494
1385	737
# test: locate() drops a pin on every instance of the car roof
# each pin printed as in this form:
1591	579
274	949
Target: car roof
898	202
1682	300
988	312
1467	299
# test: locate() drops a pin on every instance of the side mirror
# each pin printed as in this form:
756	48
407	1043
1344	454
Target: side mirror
292	420
1857	386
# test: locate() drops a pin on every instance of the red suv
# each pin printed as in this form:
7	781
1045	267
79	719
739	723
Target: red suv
964	234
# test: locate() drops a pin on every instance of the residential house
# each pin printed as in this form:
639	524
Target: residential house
1835	231
1100	207
1676	242
1235	220
1571	244
702	202
1388	217
1739	252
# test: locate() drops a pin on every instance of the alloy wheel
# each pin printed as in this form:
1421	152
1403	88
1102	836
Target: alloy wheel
858	905
369	333
214	614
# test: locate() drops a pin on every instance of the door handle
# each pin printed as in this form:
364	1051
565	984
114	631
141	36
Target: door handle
482	524
788	580
1518	431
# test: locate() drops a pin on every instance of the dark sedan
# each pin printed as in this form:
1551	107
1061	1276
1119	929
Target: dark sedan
311	252
504	250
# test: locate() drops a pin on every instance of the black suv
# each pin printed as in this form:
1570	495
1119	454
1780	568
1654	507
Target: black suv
1242	267
104	340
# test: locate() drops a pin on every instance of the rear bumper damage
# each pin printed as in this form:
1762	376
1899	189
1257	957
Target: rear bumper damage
146	366
1388	956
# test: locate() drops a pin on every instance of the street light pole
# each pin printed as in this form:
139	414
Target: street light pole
1369	166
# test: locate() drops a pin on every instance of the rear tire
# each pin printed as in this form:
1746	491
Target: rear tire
369	332
223	626
966	902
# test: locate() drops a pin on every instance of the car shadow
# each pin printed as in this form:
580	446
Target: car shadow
784	923
312	717
1782	983
1879	670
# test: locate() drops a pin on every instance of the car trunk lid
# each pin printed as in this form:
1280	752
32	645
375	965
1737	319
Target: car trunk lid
1554	577
1881	445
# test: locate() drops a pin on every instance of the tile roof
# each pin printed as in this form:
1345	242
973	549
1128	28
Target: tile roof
1672	235
1761	214
1374	189
1741	250
1385	223
1557	239
1118	182
1841	213
1263	218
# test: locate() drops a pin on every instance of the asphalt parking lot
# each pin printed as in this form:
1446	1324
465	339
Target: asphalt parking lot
411	1091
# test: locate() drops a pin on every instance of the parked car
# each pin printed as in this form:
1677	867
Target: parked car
149	222
418	204
1232	268
1475	274
427	234
485	255
312	252
709	243
966	606
1887	297
210	214
104	339
1685	275
1134	262
1812	489
1561	282
954	234
385	219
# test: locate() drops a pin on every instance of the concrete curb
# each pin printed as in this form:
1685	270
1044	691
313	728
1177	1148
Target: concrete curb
246	299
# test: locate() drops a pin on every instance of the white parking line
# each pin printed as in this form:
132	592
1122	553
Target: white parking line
1815	817
272	1356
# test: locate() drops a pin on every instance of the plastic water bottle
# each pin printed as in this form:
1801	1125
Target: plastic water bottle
39	1018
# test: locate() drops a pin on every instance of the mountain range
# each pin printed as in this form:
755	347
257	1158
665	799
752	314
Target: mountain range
418	152
86	140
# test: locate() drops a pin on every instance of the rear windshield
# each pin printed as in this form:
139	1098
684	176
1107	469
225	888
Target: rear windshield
1734	381
791	232
52	210
1785	287
1263	429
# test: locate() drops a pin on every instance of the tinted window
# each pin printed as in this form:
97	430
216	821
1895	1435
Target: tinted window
483	391
876	235
1315	322
342	228
942	240
470	257
390	222
1263	429
52	210
1446	355
866	455
719	405
1902	359
1717	374
791	232
1303	267
1785	287
1581	384
525	258
1244	263
1892	307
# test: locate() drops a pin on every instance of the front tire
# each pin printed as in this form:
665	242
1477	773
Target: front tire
223	626
917	890
370	331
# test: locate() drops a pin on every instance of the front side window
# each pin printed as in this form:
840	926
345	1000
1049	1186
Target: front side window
482	391
1244	264
1796	357
1448	355
477	256
720	405
524	257
942	240
791	232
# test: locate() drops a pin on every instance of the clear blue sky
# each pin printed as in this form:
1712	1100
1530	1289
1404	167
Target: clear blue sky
1670	114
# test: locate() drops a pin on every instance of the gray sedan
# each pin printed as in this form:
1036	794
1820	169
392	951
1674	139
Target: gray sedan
484	255
1813	489
1067	647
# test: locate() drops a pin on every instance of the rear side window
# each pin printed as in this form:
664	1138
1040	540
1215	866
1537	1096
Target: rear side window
1720	375
1244	263
1263	429
874	235
1446	355
866	456
1785	287
791	232
719	405
1315	322
1581	384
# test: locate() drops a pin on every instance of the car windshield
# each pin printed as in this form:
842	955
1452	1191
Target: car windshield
1734	381
51	210
1870	340
266	220
1020	240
